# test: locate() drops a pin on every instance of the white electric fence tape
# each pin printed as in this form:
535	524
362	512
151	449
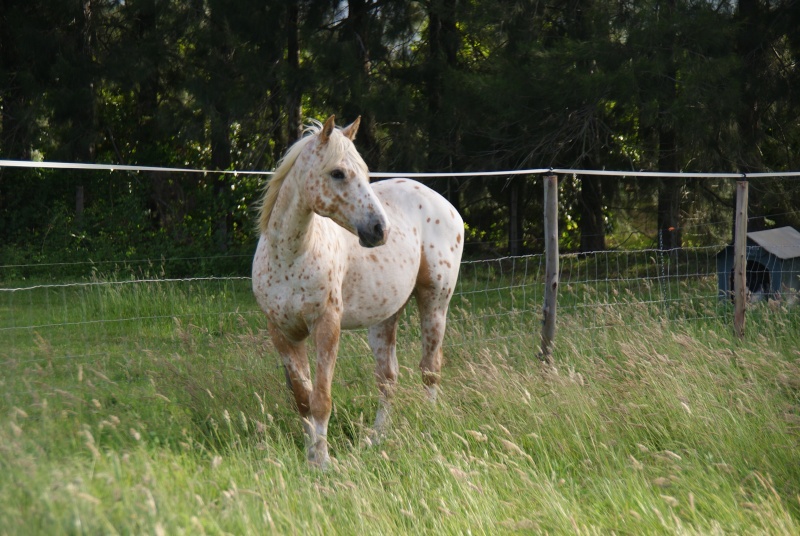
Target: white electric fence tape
383	174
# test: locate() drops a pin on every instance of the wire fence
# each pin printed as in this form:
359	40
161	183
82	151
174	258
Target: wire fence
43	325
125	309
413	175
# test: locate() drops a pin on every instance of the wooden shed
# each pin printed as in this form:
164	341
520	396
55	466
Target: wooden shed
773	265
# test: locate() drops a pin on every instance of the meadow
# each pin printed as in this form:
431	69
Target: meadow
160	407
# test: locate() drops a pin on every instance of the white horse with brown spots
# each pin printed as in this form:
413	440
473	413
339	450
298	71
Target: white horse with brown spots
338	253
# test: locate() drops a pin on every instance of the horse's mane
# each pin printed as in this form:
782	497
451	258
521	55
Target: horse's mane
338	144
285	164
273	186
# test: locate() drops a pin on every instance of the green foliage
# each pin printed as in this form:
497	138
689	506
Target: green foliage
446	85
127	218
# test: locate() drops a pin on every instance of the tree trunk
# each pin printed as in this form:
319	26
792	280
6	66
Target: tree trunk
752	45
84	127
443	43
669	191
221	160
219	116
15	134
359	20
146	92
515	217
669	200
592	222
14	123
147	89
591	200
293	90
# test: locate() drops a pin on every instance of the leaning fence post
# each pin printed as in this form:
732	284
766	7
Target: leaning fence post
551	266
740	259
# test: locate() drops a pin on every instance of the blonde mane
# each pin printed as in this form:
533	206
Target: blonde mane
338	146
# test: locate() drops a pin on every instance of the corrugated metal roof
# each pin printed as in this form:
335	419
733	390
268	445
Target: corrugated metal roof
783	242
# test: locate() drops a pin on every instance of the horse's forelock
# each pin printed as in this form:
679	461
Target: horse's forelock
337	149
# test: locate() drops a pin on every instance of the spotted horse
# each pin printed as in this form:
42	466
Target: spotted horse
336	252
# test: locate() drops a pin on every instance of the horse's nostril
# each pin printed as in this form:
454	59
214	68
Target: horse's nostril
374	234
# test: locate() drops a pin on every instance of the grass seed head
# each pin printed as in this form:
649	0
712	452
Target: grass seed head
477	436
670	500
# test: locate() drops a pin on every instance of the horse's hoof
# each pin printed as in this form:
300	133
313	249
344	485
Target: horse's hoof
319	462
318	456
320	465
373	438
432	392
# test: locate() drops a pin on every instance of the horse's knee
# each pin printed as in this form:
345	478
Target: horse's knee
321	404
288	378
300	386
382	340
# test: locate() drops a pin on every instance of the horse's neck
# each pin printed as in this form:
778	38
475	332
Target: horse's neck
291	223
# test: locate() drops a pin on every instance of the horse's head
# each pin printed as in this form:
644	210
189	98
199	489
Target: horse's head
337	185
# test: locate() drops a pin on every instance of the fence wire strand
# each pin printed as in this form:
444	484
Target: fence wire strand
63	321
496	307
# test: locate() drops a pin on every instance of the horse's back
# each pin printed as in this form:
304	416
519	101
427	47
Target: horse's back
413	201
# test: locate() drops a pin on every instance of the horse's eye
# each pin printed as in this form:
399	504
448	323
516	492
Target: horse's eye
337	174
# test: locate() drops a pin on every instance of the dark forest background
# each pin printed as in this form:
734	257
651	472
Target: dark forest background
441	85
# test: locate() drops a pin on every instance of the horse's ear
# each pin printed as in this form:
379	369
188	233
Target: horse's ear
327	129
351	129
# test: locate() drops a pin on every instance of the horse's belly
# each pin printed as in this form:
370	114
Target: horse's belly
367	306
380	280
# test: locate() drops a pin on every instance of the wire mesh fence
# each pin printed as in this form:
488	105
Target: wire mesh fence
498	299
118	313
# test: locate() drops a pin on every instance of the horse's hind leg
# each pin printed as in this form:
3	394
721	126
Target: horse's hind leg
432	305
383	341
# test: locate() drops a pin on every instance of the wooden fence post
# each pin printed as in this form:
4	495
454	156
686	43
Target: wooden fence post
740	259
551	266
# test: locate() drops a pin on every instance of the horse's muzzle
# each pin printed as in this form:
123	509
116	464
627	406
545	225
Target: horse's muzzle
372	235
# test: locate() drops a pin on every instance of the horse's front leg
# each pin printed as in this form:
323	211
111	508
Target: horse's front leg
326	337
298	374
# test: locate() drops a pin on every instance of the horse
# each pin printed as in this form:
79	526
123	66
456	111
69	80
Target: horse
336	252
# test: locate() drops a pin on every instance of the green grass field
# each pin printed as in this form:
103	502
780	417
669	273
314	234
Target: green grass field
160	408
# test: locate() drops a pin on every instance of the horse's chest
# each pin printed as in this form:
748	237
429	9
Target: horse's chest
297	290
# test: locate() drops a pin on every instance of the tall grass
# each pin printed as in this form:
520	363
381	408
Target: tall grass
179	422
